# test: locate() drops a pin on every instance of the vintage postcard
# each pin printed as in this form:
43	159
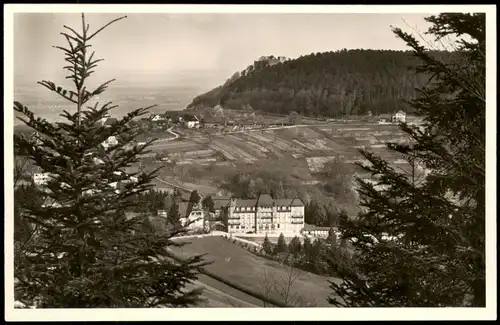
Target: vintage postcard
323	159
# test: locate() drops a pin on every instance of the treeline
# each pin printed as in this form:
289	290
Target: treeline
331	84
320	256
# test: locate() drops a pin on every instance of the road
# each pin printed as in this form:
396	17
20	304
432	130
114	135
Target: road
218	295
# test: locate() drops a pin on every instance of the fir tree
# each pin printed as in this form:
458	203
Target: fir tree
295	246
173	215
194	198
421	240
167	202
307	247
332	238
267	246
208	204
86	253
281	246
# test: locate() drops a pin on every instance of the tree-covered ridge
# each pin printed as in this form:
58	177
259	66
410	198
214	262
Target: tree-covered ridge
333	84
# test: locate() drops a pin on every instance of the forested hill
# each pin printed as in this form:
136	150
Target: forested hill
331	84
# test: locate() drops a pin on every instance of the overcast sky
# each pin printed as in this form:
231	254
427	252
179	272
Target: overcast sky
213	45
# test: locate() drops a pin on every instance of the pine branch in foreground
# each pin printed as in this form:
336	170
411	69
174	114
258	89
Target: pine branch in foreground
421	240
86	253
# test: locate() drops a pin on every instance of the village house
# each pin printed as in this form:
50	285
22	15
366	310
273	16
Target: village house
210	122
315	231
399	117
384	119
191	121
42	178
110	141
192	215
261	215
157	117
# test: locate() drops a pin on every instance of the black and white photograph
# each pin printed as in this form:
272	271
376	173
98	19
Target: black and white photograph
166	157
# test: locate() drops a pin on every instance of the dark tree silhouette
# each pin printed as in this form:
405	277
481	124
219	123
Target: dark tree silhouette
421	240
85	253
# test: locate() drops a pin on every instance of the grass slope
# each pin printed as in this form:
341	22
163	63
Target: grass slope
239	266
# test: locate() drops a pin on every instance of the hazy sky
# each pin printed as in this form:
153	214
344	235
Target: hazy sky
212	45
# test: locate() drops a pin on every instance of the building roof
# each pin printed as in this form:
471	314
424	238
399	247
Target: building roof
219	204
221	197
190	118
295	202
110	121
401	112
265	200
183	209
385	116
246	203
309	227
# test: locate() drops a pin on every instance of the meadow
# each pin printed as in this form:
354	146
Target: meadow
257	274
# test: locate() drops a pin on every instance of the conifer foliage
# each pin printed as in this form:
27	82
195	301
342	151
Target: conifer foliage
421	240
85	253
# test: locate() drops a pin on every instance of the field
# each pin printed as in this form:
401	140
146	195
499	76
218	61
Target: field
201	158
252	272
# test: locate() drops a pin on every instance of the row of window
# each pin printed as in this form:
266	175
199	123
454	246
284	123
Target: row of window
280	208
265	227
260	226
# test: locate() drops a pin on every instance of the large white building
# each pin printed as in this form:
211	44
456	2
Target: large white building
262	215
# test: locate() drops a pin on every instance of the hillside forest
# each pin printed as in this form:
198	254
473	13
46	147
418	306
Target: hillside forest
331	84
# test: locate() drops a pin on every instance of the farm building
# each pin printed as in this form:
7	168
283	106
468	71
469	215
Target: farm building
400	116
261	215
210	122
110	141
315	231
191	121
194	215
110	121
384	118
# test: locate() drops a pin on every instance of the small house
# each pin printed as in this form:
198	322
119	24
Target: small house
384	119
111	141
399	117
192	215
315	231
191	121
157	117
110	121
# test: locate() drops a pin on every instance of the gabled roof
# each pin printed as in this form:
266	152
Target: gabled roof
219	204
295	202
190	118
110	121
246	203
309	227
401	112
221	197
265	200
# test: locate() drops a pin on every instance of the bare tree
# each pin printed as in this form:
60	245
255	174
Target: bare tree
281	285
